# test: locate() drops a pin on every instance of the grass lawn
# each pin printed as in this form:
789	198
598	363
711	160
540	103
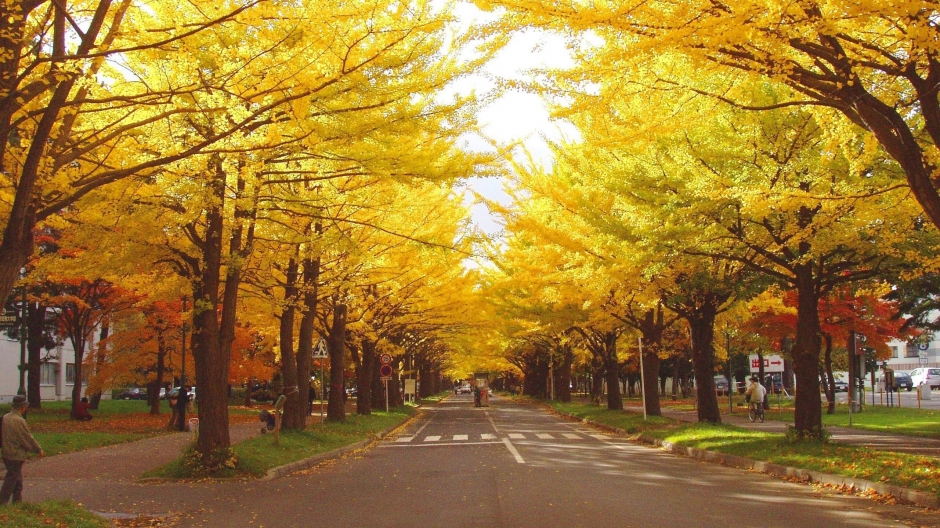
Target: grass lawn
895	420
257	455
910	471
49	513
115	422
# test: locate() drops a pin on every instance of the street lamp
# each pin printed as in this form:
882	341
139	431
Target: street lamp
23	314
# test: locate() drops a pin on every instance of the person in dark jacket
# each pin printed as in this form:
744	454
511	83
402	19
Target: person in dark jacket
81	410
17	441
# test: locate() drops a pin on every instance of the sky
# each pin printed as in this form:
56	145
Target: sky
516	115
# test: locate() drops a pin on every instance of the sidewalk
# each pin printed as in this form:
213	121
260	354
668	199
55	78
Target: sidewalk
912	445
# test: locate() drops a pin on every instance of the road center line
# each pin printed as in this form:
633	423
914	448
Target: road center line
512	449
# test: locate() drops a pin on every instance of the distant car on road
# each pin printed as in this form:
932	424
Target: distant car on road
465	389
133	394
841	386
721	385
902	380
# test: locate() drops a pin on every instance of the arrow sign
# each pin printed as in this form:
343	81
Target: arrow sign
772	363
320	351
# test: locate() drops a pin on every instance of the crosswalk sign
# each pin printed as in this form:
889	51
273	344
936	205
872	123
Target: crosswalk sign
320	351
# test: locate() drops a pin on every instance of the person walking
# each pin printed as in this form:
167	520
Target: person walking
16	442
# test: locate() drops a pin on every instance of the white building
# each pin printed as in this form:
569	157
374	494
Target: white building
907	356
57	374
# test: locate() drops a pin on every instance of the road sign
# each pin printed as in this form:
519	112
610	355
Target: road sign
9	319
923	346
320	351
385	359
772	363
386	378
385	370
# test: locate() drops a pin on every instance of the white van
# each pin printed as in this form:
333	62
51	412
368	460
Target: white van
927	376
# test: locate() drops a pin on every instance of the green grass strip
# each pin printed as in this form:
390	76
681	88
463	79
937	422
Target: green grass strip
255	456
49	513
910	471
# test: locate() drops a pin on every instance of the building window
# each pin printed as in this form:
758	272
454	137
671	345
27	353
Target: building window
70	372
47	374
911	351
894	351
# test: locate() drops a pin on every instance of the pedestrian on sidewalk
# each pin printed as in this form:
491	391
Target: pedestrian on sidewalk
16	441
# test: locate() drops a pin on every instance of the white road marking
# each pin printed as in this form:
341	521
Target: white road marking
404	439
487	436
517	436
461	437
512	449
545	436
600	437
441	444
432	438
571	436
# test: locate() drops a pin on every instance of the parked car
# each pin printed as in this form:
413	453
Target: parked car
352	392
926	376
841	386
902	380
133	394
465	389
721	385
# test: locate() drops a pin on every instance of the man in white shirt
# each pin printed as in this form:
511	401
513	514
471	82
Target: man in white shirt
756	392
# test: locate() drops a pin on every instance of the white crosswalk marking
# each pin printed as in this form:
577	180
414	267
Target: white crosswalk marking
571	436
517	436
432	438
545	436
600	437
405	438
461	437
487	436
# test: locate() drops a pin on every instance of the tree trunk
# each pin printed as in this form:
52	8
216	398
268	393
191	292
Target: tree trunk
563	375
702	325
807	411
153	388
294	408
651	381
78	343
612	370
35	326
364	378
100	357
394	385
378	386
311	276
336	408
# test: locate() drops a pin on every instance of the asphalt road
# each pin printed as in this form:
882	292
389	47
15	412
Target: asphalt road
509	465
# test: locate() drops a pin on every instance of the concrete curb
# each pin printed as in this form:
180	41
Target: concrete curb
920	498
307	463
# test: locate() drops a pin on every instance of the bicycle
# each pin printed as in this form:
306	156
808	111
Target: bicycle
755	412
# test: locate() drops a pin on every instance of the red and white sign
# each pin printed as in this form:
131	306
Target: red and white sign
771	363
385	359
385	371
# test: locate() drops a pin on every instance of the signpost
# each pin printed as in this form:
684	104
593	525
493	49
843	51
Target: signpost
385	371
772	363
321	352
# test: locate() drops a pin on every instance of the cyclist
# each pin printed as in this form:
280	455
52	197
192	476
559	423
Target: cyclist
755	394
